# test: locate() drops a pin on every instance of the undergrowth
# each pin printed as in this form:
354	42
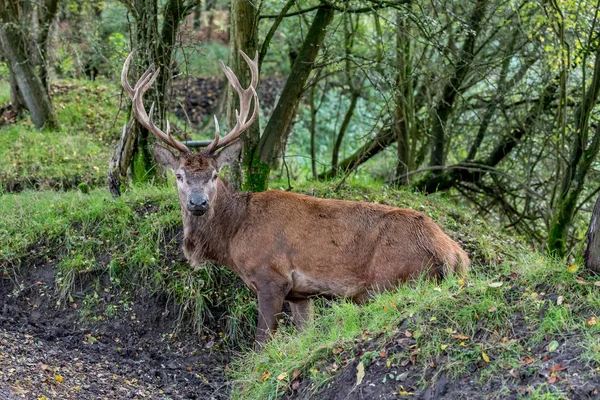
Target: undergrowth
135	240
78	152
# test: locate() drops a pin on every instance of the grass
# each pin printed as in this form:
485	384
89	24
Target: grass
132	239
79	152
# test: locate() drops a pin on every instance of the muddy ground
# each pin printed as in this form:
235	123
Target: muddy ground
540	373
48	352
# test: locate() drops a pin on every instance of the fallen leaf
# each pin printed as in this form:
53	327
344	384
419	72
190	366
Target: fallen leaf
444	346
528	360
492	309
552	379
337	351
461	282
573	268
553	345
282	376
597	283
265	376
485	357
592	321
360	373
557	368
581	281
296	373
495	284
403	392
560	300
59	379
407	333
460	337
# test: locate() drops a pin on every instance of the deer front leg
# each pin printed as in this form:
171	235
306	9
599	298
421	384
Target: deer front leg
302	311
270	303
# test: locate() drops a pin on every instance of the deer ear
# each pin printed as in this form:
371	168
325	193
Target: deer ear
229	154
165	157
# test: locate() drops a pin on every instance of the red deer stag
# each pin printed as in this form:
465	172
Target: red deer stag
287	246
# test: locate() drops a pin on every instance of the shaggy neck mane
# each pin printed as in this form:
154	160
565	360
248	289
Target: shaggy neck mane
207	237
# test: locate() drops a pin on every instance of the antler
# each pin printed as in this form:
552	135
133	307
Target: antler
246	96
243	123
137	93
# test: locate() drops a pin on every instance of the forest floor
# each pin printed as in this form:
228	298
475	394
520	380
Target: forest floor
48	352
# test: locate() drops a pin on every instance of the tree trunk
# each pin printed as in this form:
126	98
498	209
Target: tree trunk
578	166
290	96
592	248
198	16
16	97
340	136
151	47
14	43
453	88
405	118
313	131
244	36
47	13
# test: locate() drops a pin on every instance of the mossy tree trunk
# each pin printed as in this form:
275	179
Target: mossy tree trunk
244	36
152	45
264	156
583	152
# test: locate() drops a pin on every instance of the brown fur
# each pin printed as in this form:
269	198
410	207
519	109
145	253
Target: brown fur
288	246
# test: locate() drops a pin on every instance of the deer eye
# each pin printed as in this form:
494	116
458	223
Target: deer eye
214	177
178	176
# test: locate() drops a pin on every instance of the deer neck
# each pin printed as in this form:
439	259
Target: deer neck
208	237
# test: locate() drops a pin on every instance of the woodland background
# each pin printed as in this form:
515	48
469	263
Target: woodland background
493	102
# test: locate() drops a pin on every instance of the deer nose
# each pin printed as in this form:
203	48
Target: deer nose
197	203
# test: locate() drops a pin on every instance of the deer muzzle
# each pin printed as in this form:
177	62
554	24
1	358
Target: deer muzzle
197	203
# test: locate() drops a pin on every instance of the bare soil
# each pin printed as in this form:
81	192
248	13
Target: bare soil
540	373
48	352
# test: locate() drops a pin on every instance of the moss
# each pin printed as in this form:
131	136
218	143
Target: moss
256	175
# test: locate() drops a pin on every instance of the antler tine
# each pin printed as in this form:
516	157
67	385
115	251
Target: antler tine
246	96
253	64
213	145
141	87
124	71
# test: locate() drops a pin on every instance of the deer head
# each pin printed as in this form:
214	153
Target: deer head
196	173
